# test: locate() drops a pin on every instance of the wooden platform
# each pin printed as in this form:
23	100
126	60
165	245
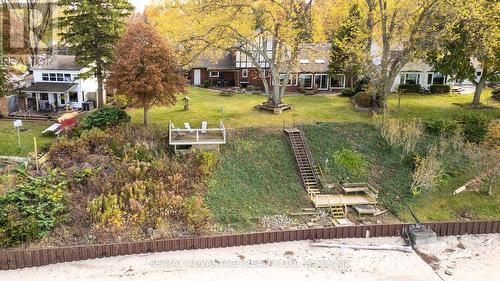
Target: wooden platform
365	209
327	200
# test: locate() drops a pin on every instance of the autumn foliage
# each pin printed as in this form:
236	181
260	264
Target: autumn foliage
145	69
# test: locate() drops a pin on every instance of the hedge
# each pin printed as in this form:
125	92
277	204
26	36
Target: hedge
440	89
409	88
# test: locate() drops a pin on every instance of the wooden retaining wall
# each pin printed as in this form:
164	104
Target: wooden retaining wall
20	258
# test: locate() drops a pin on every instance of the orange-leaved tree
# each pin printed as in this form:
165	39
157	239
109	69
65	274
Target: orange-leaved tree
145	69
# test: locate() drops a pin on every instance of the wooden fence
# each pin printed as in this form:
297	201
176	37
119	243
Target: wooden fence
20	258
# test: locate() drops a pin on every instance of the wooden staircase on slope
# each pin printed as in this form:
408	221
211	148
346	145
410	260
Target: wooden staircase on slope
308	171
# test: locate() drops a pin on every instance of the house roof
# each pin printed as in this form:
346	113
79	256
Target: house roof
313	57
58	62
226	61
49	87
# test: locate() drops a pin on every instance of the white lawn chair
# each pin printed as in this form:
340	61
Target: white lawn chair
186	125
204	127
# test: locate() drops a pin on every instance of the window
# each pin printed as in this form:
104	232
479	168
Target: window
60	77
320	81
412	78
214	74
304	61
438	78
67	77
73	96
282	78
44	96
337	81
266	72
53	77
429	78
479	73
244	73
305	80
45	77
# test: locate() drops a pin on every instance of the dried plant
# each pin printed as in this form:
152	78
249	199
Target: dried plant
427	172
404	134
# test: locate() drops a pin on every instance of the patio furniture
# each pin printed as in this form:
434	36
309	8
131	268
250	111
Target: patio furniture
188	127
53	129
204	126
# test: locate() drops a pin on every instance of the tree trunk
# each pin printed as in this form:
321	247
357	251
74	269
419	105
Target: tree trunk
146	111
479	89
100	98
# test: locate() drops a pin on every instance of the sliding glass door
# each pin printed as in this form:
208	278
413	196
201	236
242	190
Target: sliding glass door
321	81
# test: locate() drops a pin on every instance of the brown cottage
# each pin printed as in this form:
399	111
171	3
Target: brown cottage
234	69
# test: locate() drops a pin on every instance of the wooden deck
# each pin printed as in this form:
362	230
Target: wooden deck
214	137
327	200
197	136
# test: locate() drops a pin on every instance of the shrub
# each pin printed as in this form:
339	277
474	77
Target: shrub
492	138
32	209
440	89
349	162
197	215
106	116
208	161
475	127
206	83
347	92
443	126
404	134
361	84
105	211
409	88
496	94
427	172
363	99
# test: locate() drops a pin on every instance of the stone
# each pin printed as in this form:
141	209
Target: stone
420	236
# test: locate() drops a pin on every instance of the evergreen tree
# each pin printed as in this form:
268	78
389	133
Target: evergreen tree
349	43
91	28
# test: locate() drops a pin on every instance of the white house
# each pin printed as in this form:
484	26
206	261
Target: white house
424	75
57	85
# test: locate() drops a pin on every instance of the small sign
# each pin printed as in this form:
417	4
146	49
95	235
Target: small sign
18	123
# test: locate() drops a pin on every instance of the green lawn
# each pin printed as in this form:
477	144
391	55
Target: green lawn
238	110
8	137
439	106
256	176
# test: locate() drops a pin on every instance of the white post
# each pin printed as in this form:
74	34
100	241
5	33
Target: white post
169	132
18	138
37	100
197	137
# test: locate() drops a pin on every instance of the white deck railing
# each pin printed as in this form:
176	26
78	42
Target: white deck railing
178	136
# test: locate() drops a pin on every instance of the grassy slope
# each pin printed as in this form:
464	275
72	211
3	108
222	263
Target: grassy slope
394	176
257	176
384	165
237	111
8	138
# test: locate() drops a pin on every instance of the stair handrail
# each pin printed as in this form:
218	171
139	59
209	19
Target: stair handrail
309	157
